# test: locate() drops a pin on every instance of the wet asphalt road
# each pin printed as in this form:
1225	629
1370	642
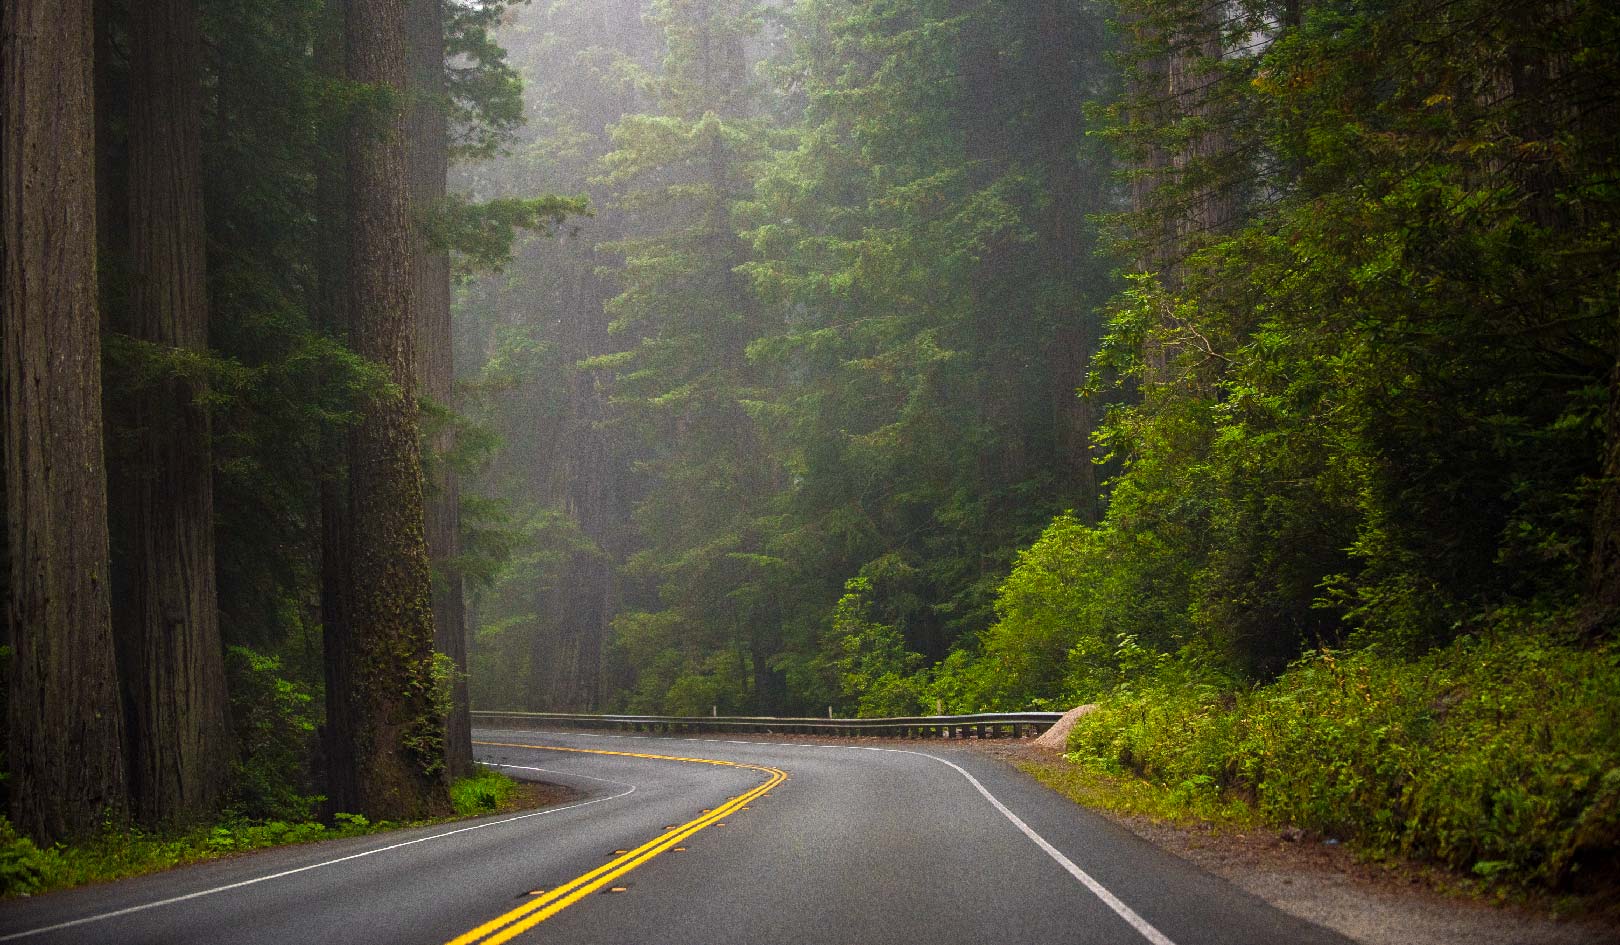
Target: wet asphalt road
857	846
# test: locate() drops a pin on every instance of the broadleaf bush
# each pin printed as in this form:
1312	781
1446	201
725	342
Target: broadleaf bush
1498	755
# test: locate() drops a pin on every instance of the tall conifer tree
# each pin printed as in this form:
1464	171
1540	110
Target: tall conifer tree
169	643
435	370
65	739
388	739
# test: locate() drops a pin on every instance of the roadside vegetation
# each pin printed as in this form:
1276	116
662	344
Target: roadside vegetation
1494	756
117	852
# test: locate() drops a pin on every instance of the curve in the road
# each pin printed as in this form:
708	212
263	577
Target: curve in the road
511	924
885	846
575	890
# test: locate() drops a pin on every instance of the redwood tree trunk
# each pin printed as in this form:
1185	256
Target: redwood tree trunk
65	745
172	661
394	746
1209	208
331	311
429	167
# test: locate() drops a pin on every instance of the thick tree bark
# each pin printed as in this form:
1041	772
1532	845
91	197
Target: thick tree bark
1169	85
171	659
1210	207
65	746
435	371
394	746
332	307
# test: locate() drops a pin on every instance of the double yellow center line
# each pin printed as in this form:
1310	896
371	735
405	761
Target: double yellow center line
537	910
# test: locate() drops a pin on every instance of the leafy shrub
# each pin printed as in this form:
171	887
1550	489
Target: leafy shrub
481	793
275	718
1080	589
1498	754
876	673
23	866
116	853
672	676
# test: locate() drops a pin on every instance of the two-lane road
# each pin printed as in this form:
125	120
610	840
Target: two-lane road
707	842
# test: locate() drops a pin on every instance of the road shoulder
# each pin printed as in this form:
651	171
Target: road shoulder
1327	885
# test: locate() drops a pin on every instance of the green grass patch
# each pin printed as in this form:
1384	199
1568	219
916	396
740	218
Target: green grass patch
1131	796
483	792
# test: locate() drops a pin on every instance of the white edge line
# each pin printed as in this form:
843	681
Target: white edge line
566	774
1112	901
313	866
1135	921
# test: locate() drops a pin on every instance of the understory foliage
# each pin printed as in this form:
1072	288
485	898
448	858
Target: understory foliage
275	717
1371	402
483	792
26	868
1495	754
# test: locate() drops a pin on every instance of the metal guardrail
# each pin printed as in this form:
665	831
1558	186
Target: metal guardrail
982	725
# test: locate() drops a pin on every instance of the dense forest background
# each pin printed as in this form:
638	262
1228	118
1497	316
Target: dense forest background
1247	368
952	353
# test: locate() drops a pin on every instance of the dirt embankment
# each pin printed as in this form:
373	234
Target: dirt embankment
1054	738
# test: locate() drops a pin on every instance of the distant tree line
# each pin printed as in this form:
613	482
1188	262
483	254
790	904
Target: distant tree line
981	354
227	277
